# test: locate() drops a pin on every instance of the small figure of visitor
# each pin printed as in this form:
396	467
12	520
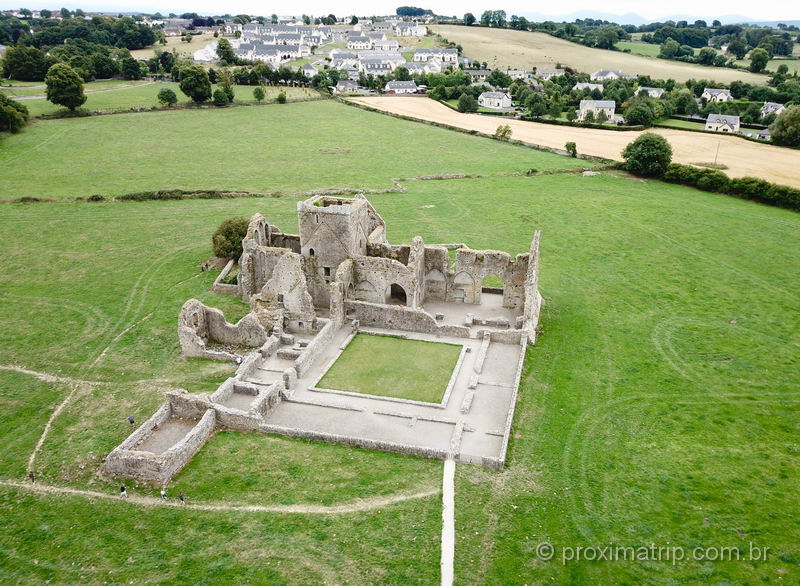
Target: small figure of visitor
31	476
164	494
182	497
122	492
131	420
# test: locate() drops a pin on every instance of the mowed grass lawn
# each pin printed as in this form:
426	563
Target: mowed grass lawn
124	95
659	405
278	148
393	367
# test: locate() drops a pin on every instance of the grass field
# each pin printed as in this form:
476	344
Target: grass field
659	405
393	367
684	124
773	64
503	48
639	48
123	95
280	148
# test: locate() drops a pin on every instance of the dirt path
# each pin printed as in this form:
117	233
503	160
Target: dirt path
357	506
46	376
743	158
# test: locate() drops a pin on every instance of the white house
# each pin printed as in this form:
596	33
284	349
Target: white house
478	74
495	100
771	108
359	43
518	74
722	123
711	94
386	45
410	29
608	75
582	85
652	92
400	87
207	54
596	107
345	86
544	74
444	55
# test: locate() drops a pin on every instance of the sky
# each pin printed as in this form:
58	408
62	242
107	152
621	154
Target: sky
777	10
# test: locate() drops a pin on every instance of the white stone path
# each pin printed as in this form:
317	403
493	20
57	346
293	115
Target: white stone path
448	522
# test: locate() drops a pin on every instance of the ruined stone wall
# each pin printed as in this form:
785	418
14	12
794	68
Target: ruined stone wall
374	277
200	325
533	299
401	318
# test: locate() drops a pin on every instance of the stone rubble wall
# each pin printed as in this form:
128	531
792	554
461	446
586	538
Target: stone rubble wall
315	347
401	318
200	325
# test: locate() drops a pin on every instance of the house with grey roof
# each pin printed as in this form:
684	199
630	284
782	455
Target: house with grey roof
597	107
345	86
443	55
722	123
583	86
478	75
359	43
771	108
545	73
495	100
651	92
386	45
608	75
401	87
711	94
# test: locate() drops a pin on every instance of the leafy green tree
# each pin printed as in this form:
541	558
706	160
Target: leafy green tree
638	114
648	156
227	240
195	83
225	53
499	79
44	13
281	99
225	80
130	68
588	118
503	132
469	19
64	86
258	93
167	97
25	63
602	117
758	60
737	48
467	103
572	115
353	20
402	74
786	128
13	114
706	56
220	97
572	149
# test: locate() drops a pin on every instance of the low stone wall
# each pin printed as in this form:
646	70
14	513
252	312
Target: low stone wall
401	318
126	461
227	288
507	336
310	352
360	442
523	344
480	359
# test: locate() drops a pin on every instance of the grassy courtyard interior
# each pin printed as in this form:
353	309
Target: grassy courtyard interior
393	367
659	405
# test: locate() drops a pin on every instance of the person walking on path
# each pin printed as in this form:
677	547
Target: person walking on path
182	497
122	492
164	494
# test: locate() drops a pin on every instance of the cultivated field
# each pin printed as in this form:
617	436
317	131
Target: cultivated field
124	95
503	48
278	148
743	158
659	406
175	44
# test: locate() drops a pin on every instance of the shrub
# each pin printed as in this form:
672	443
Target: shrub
13	115
167	97
572	149
711	180
503	132
466	103
258	94
220	97
282	97
194	82
227	240
648	156
786	128
64	86
638	114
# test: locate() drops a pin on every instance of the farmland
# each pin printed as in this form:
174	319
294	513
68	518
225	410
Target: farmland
743	158
502	48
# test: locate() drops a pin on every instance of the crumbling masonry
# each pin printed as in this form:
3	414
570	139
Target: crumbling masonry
309	294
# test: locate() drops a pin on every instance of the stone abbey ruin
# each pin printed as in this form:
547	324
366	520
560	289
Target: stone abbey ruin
310	294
